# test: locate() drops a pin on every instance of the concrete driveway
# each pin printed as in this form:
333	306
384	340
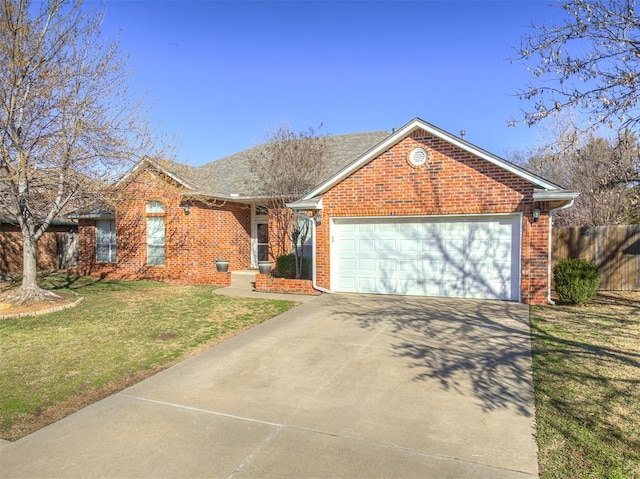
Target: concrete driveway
341	386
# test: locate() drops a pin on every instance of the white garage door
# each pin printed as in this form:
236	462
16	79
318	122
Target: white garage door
465	257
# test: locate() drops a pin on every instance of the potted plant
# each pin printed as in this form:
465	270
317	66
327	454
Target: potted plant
222	265
264	267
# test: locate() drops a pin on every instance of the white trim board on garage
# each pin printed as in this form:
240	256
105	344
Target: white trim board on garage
448	256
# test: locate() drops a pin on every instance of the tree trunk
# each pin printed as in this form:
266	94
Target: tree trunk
299	257
29	291
29	262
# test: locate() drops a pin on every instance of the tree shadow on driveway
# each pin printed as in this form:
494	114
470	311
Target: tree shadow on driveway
478	348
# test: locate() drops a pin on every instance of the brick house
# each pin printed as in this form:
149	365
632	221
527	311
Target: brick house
417	211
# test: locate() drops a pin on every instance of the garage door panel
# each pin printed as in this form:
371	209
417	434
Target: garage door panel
479	250
503	249
448	256
453	247
451	289
367	245
386	228
347	245
408	230
432	269
479	268
387	266
367	265
347	283
367	284
480	233
347	265
366	228
388	284
453	230
410	287
431	288
386	244
409	268
410	246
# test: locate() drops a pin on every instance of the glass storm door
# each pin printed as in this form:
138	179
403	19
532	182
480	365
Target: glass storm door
262	243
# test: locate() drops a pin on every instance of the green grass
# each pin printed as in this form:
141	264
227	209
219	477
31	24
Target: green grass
586	365
121	332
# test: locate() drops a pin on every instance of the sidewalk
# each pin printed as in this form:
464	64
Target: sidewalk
242	285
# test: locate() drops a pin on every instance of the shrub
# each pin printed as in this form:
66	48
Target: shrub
286	266
576	280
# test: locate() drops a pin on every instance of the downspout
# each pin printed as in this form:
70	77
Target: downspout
313	251
549	278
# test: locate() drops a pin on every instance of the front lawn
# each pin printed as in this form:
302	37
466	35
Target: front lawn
123	331
586	366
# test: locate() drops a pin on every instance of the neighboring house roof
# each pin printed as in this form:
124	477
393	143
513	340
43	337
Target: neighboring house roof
66	221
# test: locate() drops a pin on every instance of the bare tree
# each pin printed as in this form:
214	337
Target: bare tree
606	174
68	124
589	62
288	166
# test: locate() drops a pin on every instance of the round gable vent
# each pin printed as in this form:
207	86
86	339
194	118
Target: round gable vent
418	157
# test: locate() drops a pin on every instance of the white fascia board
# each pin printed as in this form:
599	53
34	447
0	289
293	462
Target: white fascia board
405	131
130	173
555	195
94	216
309	204
225	198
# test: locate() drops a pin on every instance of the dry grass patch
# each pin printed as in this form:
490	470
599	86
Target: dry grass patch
55	364
587	379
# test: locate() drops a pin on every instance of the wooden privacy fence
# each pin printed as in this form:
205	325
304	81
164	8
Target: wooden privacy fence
57	249
615	249
67	250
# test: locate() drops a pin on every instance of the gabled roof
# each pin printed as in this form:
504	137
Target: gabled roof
175	171
234	172
419	124
231	178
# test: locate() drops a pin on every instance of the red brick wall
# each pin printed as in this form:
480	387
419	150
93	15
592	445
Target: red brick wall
453	182
269	284
192	241
11	249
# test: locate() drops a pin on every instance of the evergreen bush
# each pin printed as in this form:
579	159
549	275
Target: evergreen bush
576	280
286	266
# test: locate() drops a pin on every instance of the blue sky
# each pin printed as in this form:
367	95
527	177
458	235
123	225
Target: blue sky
222	74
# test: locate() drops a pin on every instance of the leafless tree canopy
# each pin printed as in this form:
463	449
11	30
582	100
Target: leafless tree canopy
68	124
606	174
288	166
590	62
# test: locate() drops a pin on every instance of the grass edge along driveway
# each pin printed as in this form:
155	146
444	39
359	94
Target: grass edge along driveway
586	372
124	331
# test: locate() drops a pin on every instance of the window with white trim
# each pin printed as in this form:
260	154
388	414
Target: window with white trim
106	241
261	210
155	233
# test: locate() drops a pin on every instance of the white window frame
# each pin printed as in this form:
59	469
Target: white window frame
106	237
155	234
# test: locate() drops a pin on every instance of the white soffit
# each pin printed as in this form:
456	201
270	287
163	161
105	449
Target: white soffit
555	195
307	204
